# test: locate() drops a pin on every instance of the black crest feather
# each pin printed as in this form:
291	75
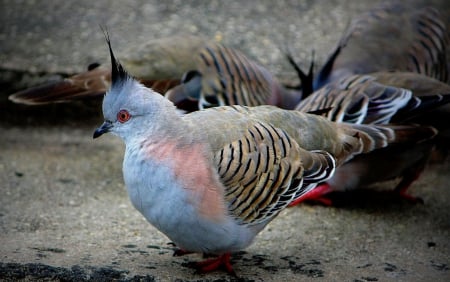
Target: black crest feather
306	79
118	73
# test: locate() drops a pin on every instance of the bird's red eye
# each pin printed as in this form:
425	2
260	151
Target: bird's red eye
123	116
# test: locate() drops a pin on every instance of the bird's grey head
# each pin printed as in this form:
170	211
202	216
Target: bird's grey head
128	105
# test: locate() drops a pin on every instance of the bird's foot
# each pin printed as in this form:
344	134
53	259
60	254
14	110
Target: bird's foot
404	185
180	252
209	265
316	195
410	198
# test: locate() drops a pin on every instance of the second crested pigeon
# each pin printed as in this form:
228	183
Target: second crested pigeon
362	99
195	73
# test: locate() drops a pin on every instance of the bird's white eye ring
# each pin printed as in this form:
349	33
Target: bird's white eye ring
123	116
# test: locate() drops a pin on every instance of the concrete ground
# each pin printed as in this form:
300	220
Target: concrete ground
64	211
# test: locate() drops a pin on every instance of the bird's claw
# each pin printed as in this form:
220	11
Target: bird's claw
210	265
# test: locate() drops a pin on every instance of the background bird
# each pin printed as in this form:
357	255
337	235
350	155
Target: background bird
361	99
211	180
195	73
160	63
394	36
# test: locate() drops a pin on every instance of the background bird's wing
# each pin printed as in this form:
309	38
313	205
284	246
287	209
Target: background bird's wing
357	99
379	98
159	64
224	76
92	83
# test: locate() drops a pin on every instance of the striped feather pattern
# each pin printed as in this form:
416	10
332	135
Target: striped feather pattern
236	80
267	157
310	132
316	172
357	99
265	170
427	54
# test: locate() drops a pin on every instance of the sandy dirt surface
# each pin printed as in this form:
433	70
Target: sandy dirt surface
64	211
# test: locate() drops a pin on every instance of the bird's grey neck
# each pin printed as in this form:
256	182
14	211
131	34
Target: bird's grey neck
172	128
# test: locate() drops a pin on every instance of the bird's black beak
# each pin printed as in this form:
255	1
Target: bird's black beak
104	128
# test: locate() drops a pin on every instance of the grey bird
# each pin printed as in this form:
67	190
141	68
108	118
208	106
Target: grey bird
211	180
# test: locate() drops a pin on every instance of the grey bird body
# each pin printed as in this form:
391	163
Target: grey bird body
211	180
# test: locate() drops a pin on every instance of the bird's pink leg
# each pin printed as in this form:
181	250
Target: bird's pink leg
215	263
316	194
405	183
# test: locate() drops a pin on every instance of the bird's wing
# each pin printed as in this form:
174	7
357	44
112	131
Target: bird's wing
224	125
236	80
419	84
158	64
371	99
357	99
225	76
265	170
88	84
267	157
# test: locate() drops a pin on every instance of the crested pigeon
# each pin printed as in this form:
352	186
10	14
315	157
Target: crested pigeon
211	180
366	99
195	73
